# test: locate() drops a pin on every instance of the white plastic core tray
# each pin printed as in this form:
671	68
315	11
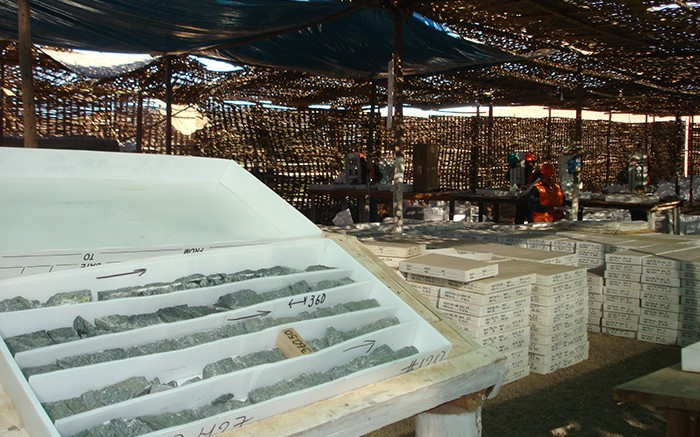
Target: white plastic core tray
300	254
64	209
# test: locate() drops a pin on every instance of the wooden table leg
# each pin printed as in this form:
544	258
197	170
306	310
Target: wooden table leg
650	221
681	423
363	208
676	213
314	207
461	417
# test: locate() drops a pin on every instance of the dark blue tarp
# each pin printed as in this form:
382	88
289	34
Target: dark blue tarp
325	37
326	49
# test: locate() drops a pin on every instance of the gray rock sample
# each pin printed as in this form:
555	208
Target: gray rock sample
317	267
238	299
63	335
91	358
118	428
115	393
262	357
29	341
69	298
221	367
38	370
18	303
121	323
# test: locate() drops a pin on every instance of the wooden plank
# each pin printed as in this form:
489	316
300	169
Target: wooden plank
10	423
369	408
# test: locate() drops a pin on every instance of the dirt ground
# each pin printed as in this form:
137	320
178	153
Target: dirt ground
576	401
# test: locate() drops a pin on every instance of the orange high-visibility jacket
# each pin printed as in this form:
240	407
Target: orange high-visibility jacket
547	199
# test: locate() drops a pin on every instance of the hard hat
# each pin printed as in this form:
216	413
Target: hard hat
548	170
513	160
529	156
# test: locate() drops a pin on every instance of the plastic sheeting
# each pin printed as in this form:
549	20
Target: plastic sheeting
325	37
360	46
98	64
161	26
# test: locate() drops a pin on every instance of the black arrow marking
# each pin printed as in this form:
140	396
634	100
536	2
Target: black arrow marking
291	302
259	314
139	272
365	343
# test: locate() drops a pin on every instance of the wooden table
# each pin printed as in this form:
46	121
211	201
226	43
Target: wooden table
672	389
469	375
363	194
481	200
671	207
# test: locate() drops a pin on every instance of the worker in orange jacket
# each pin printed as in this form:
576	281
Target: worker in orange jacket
546	197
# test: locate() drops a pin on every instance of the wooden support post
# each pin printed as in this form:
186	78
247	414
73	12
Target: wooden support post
475	153
397	126
2	95
578	132
691	167
646	134
168	106
578	139
678	146
607	150
373	103
25	66
374	106
489	146
139	120
549	135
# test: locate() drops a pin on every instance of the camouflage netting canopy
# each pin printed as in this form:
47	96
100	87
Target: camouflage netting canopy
636	56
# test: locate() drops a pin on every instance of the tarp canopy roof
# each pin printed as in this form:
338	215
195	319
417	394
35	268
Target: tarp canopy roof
325	37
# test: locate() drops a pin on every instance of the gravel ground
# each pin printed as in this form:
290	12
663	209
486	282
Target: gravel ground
576	401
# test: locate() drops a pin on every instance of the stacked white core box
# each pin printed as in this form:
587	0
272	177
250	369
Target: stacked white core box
590	254
489	301
661	302
392	252
689	323
558	317
559	305
596	298
503	252
643	293
621	309
591	249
